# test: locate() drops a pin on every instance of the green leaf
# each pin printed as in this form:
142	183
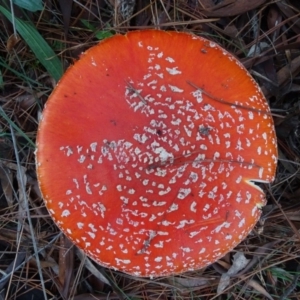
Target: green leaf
38	45
103	34
31	5
99	34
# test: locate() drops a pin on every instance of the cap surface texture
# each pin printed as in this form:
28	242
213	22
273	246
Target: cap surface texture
148	150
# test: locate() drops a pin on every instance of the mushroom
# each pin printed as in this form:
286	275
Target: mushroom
149	150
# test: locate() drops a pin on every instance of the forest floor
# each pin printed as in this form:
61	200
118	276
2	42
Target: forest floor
36	260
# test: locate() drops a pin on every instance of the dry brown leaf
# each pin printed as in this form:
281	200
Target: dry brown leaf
12	41
206	3
47	263
222	265
290	13
90	266
229	8
6	179
259	252
260	289
22	200
22	180
191	282
66	9
231	30
238	264
286	74
143	8
273	19
293	216
266	69
285	162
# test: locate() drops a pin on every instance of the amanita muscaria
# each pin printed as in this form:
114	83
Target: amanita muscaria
149	149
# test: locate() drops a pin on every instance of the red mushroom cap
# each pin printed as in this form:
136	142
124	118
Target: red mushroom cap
148	150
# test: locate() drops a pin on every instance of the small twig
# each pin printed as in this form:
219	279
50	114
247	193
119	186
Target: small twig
131	88
177	161
226	102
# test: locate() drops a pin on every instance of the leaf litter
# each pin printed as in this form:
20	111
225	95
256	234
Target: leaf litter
241	27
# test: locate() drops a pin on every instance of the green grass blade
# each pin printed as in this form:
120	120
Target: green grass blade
38	45
31	5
